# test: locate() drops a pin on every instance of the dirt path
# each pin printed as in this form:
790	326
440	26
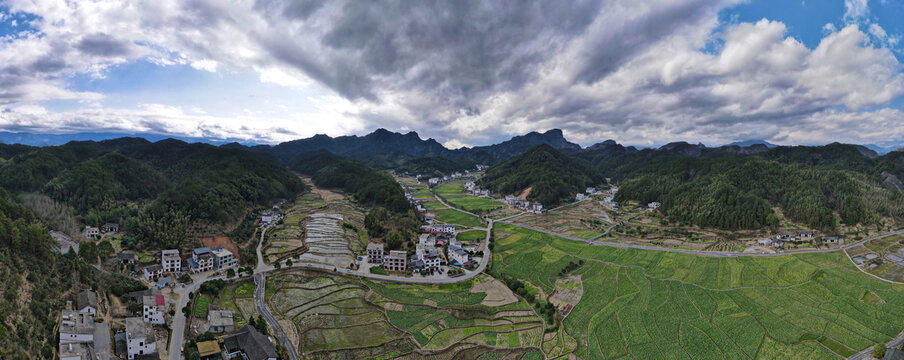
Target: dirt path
326	195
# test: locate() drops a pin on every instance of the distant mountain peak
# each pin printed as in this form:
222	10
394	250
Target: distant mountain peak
750	142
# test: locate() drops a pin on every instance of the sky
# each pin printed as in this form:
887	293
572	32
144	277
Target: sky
642	72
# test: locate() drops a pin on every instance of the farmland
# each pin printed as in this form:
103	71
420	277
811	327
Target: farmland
453	193
339	317
643	304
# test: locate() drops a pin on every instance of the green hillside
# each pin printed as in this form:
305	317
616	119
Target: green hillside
553	177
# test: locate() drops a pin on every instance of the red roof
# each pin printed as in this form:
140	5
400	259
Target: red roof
159	300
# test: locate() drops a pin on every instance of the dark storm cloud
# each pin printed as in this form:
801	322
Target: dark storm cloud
103	45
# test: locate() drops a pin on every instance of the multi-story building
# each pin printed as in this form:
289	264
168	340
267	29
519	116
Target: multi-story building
458	255
76	327
151	273
140	338
430	257
75	351
375	253
397	261
223	259
152	309
201	260
170	261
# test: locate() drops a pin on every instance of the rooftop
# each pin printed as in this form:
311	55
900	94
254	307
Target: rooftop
374	246
138	329
201	250
170	254
87	298
154	268
207	348
254	344
153	300
76	349
74	322
221	317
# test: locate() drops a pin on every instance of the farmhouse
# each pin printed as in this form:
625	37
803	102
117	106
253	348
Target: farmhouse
787	236
127	258
832	240
201	260
458	255
764	242
208	348
76	327
221	321
397	261
223	259
140	339
87	302
110	227
91	231
170	261
653	205
375	253
806	235
266	218
152	309
249	344
151	273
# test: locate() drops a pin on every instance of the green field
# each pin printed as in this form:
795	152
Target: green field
655	304
472	235
452	216
454	195
202	303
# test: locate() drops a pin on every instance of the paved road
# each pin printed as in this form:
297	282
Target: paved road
102	341
866	354
260	281
178	325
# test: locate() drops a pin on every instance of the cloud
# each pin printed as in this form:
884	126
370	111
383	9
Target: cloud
464	72
855	9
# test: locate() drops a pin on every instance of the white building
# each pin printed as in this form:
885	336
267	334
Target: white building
433	181
223	259
170	261
91	231
375	253
653	205
151	273
221	321
75	351
430	257
87	302
201	260
457	254
140	338
397	261
443	228
152	309
76	327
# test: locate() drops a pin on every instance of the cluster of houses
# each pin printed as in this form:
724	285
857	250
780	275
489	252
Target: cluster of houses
270	217
202	259
77	335
610	200
779	240
532	207
437	180
414	202
92	232
428	254
472	189
653	206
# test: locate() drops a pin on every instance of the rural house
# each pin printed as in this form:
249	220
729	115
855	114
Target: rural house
170	261
140	338
249	344
151	273
397	261
221	321
110	227
375	253
76	327
152	309
87	302
223	259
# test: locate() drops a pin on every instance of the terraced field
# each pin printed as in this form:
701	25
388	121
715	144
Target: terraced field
338	317
654	304
454	194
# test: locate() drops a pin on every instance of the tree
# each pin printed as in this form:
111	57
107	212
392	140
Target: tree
278	265
230	273
185	278
394	240
133	307
105	249
373	222
879	351
88	251
289	263
261	326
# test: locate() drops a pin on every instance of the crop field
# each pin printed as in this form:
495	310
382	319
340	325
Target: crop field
472	235
656	304
584	220
454	194
452	216
338	317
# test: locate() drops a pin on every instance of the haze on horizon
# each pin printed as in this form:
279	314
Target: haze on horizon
464	72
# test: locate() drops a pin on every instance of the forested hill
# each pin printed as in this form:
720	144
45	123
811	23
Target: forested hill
158	188
35	282
366	184
553	177
726	188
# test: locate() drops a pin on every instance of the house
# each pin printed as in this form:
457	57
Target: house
764	242
832	240
221	321
151	273
208	348
170	261
91	231
426	240
458	255
375	253
430	258
786	235
433	181
87	302
806	235
76	327
224	259
590	190
397	261
140	338
580	197
653	205
249	344
443	228
110	227
127	258
428	220
152	309
266	218
778	244
164	282
202	260
76	351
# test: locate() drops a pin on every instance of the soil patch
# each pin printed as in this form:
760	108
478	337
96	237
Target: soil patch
325	194
567	294
221	242
497	293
